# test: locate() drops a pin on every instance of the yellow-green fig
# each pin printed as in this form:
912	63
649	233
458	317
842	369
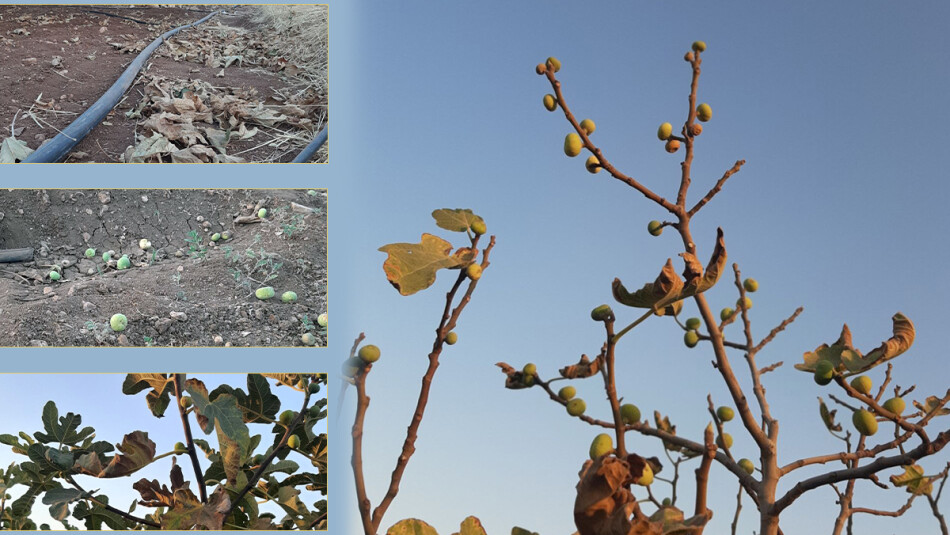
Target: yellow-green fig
744	302
864	422
592	164
895	405
573	144
118	322
691	338
293	442
600	446
264	293
289	297
646	477
601	313
550	103
576	407
451	338
567	393
724	441
529	369
553	64
369	353
665	131
286	417
180	447
726	313
629	413
725	413
672	145
655	228
186	402
123	263
54	276
704	112
322	320
474	272
862	384
308	339
750	285
747	465
693	324
588	126
699	46
824	372
90	252
479	227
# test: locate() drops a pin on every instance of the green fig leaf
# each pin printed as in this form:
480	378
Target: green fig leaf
846	358
914	480
931	404
12	150
457	220
411	267
62	429
96	515
59	500
162	385
224	415
828	416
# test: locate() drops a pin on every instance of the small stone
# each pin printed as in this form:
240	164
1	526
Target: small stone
144	198
123	340
47	290
163	325
200	218
88	307
218	340
180	316
104	197
38	343
227	344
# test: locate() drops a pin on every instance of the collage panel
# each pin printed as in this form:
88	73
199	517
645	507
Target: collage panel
187	83
163	267
114	451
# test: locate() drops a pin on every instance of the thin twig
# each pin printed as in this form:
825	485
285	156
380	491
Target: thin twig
781	327
717	188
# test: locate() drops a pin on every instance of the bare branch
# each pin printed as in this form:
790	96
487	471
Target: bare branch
781	327
717	188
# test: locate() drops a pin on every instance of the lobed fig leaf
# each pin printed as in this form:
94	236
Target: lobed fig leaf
411	267
411	526
914	480
456	220
931	405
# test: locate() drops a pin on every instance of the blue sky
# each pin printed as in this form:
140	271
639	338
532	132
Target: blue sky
99	400
838	109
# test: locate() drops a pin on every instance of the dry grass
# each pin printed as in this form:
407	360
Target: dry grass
302	36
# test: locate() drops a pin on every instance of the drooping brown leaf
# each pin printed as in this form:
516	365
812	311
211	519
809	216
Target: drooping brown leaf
931	404
584	368
514	379
846	358
411	267
604	505
136	452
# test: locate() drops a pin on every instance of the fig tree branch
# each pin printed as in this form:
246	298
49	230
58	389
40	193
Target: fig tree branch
362	403
757	387
108	507
717	188
189	441
774	332
688	137
702	473
610	386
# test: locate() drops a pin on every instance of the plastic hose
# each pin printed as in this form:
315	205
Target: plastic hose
70	136
313	146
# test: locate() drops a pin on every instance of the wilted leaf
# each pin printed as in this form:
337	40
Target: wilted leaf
846	358
931	404
828	416
223	415
457	220
584	368
136	452
914	480
162	385
604	505
411	526
12	150
150	149
411	267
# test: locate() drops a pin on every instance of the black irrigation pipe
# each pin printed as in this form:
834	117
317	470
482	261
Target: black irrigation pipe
70	136
313	146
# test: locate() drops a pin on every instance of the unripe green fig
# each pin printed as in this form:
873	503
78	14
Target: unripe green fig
369	353
665	131
529	369
288	297
541	68
474	272
655	228
54	276
322	320
693	324
479	227
308	339
747	465
90	252
744	302
180	447
118	322
704	112
124	262
629	413
225	235
553	64
600	446
293	442
862	384
527	380
573	144
601	313
824	372
351	366
451	338
314	387
264	293
699	46
646	477
895	405
725	413
576	407
672	145
186	402
262	213
286	417
691	338
750	285
588	126
726	313
106	256
257	460
864	422
567	393
724	441
216	236
592	164
550	103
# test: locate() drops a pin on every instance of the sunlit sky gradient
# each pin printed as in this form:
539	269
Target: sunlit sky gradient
839	109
